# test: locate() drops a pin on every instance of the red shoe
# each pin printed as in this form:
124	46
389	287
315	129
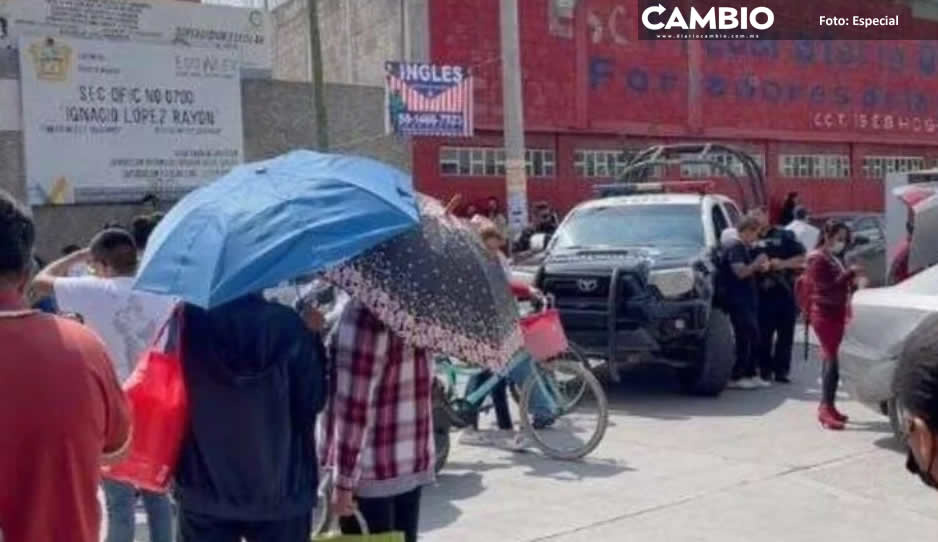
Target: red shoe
839	415
827	418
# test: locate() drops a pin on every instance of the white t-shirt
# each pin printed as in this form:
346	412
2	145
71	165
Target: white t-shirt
806	233
127	320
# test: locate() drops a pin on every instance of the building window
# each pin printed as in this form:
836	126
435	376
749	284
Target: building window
723	158
876	167
602	164
814	166
540	162
490	162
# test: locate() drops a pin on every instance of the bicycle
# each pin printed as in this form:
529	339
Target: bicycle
559	382
562	380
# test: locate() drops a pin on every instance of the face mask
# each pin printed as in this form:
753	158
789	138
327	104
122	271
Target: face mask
838	247
925	476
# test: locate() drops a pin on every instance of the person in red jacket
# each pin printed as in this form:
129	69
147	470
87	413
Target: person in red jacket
831	285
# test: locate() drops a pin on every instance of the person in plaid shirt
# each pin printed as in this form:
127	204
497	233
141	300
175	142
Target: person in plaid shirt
378	430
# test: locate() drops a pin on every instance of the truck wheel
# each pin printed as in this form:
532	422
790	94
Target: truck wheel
718	355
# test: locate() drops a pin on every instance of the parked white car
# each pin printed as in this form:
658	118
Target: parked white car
882	319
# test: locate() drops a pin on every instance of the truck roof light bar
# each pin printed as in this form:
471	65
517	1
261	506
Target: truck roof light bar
667	187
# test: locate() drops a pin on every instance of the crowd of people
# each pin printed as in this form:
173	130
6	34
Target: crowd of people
256	382
770	274
259	374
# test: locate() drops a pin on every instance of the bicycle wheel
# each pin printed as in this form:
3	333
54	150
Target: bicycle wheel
577	428
570	385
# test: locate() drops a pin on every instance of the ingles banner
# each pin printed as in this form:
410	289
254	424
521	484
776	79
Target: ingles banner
428	99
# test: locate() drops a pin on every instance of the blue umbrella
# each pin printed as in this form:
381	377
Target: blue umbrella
272	221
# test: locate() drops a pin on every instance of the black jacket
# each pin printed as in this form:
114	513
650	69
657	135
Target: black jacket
256	380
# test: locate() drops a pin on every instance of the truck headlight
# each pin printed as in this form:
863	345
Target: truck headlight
673	282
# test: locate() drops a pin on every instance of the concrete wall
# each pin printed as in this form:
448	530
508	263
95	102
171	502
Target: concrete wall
278	117
356	125
357	37
291	41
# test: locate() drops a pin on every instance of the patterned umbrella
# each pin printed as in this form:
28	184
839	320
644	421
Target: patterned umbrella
438	288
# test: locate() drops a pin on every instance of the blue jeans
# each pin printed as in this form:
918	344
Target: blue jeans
519	375
121	501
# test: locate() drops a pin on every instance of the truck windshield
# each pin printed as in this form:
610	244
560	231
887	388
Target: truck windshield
632	225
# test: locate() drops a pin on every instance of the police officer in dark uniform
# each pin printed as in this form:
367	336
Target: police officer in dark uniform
778	309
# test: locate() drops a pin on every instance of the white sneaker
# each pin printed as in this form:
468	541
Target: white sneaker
471	437
747	384
761	382
520	443
741	384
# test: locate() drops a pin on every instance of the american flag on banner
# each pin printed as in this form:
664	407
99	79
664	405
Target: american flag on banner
428	99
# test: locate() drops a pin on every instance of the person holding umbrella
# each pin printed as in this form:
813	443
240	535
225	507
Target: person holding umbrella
255	379
432	288
253	370
378	428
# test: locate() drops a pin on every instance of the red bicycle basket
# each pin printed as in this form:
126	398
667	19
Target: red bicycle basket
544	337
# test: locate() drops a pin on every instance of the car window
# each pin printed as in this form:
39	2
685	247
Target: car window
632	225
733	212
862	224
869	228
719	221
874	234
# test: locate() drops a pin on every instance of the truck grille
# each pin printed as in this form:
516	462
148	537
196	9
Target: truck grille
578	287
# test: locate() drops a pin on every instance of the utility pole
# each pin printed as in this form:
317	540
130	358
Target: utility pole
513	113
319	86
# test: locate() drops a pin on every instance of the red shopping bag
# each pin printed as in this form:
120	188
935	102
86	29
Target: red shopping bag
156	392
544	337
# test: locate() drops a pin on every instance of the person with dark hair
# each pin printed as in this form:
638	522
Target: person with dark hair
831	284
68	249
62	411
788	209
141	227
916	387
742	299
778	310
256	380
127	320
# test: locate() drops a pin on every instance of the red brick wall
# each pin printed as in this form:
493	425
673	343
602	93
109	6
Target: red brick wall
589	83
